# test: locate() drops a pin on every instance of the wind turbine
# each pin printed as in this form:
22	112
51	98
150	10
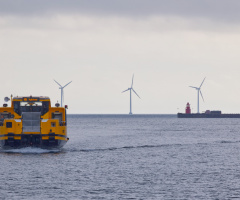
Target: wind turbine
131	89
62	87
198	91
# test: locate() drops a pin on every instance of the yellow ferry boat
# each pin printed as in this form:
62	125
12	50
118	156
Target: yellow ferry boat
31	121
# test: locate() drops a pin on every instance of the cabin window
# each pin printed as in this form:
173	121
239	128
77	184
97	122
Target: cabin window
16	106
9	124
57	115
45	106
31	106
25	106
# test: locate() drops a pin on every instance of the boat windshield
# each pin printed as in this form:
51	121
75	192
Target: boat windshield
23	103
25	106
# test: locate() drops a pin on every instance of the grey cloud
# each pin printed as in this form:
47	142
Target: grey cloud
222	10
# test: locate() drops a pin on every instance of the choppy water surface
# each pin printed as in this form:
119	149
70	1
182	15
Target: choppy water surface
130	157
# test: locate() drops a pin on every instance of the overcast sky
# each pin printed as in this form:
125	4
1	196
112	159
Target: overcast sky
99	44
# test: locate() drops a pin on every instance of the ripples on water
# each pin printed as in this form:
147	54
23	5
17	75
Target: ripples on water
130	157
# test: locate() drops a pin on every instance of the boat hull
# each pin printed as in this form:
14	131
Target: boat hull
32	140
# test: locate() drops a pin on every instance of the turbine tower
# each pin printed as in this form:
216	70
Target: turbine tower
198	91
62	87
131	89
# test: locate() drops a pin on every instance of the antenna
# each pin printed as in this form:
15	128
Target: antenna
198	91
61	88
131	89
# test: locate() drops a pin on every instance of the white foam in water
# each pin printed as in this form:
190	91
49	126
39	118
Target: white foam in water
30	150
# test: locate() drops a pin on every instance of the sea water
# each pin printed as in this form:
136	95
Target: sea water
130	157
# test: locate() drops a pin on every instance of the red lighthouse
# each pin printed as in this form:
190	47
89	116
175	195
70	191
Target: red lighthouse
188	109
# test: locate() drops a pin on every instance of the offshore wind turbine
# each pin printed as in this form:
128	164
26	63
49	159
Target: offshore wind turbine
198	91
131	89
61	88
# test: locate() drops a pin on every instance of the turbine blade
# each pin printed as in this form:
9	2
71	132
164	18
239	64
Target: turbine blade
57	83
136	93
202	82
132	80
193	87
125	90
67	84
201	95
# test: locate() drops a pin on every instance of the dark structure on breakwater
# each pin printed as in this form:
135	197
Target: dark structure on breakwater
206	114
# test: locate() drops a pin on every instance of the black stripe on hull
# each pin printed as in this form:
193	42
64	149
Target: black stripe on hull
42	135
32	141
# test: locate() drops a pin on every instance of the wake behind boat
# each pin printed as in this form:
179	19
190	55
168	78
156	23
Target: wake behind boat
31	121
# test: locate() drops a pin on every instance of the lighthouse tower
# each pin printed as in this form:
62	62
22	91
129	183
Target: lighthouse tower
188	109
